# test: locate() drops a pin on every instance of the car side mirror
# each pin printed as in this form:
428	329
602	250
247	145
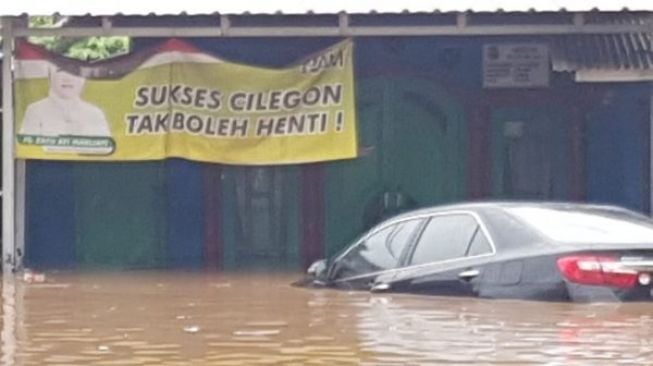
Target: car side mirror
317	269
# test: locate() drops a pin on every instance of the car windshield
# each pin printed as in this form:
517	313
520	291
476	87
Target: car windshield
588	226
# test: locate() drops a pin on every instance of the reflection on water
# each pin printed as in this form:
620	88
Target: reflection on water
216	319
9	317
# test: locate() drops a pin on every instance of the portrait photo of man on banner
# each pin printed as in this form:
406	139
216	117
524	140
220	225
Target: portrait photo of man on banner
63	111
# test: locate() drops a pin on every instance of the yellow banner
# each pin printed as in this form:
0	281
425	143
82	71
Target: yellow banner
176	101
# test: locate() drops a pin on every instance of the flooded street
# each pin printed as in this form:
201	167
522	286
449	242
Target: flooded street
151	318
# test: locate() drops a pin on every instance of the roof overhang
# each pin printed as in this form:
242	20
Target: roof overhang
344	25
146	7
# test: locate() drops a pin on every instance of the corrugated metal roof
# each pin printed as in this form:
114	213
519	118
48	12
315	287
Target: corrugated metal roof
613	52
631	51
143	7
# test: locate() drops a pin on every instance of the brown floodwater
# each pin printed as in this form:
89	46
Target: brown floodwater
153	318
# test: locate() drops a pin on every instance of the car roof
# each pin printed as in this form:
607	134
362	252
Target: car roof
499	219
484	206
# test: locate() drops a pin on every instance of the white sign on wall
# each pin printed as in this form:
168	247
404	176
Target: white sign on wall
515	65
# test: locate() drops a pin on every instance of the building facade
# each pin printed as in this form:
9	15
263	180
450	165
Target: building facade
442	118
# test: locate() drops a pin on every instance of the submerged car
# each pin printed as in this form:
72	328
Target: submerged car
510	250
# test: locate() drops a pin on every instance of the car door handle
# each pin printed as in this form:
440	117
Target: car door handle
468	274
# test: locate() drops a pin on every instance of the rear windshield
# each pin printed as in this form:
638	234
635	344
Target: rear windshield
590	226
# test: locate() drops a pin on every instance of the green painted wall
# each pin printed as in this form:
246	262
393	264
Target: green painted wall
120	215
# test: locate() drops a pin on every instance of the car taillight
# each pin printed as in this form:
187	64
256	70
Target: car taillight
597	270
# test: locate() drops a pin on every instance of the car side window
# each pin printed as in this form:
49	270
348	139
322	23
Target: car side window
380	251
479	244
400	237
444	237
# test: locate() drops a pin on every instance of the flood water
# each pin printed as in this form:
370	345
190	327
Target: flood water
151	318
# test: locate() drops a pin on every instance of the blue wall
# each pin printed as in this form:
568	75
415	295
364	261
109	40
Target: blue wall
50	206
617	154
185	213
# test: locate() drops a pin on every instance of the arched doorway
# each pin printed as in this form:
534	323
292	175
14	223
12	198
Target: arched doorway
413	153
